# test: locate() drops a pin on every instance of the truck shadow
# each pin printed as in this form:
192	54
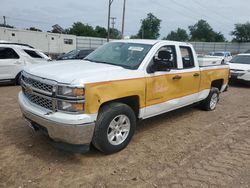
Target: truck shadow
39	146
239	85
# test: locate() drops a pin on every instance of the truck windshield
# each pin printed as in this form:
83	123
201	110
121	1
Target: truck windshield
127	55
241	59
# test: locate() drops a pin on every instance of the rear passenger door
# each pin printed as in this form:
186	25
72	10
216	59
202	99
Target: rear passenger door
190	76
9	63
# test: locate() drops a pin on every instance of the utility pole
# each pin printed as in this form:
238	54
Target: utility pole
113	24
4	20
123	17
142	28
109	10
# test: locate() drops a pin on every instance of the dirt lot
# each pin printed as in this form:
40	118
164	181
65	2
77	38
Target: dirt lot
185	148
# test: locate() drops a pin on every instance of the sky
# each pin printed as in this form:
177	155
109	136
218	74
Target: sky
220	14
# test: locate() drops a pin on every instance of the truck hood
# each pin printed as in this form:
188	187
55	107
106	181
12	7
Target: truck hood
239	66
78	71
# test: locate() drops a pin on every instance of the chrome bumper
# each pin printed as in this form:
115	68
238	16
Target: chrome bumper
62	132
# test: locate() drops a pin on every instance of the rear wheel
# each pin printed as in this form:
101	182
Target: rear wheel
115	127
211	101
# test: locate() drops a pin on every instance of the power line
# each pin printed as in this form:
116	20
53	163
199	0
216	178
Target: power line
211	10
167	7
193	12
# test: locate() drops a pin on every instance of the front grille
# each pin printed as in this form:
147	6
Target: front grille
38	100
37	84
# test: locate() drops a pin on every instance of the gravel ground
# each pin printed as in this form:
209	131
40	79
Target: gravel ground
184	148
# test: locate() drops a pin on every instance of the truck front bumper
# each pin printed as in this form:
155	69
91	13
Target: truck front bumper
61	127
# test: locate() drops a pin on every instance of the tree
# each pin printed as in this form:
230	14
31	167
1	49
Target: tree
7	26
101	32
202	31
150	28
115	33
34	29
80	29
178	35
241	32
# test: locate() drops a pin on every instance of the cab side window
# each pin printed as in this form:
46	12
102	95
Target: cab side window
8	53
187	57
166	55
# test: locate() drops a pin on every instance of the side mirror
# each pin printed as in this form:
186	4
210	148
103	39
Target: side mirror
157	65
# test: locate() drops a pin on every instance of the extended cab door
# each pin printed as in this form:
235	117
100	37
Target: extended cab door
190	76
163	86
173	81
10	65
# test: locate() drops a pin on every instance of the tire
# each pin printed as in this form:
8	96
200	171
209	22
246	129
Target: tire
108	138
209	104
18	79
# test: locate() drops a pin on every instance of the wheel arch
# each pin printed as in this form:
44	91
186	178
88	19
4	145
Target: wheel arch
217	84
132	101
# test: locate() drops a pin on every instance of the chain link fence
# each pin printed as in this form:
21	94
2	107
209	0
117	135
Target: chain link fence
200	47
234	48
89	42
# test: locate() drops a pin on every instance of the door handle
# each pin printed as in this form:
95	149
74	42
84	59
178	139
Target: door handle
196	74
17	62
177	77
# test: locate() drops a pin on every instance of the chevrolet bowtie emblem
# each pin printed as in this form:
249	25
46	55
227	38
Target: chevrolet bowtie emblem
29	89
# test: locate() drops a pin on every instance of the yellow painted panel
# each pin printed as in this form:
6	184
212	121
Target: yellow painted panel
207	76
151	90
99	93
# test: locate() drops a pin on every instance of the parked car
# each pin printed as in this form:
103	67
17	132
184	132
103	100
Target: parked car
99	99
240	68
75	54
225	56
14	57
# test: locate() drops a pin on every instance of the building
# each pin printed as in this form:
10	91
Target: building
50	43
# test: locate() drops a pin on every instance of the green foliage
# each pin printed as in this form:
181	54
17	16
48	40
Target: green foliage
81	29
203	32
150	28
178	35
115	34
101	32
34	29
241	32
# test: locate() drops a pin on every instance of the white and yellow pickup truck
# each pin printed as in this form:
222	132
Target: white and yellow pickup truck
99	99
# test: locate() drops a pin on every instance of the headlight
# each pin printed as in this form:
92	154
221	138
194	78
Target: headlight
70	106
67	91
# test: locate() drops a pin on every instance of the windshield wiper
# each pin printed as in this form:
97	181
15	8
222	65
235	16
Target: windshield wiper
104	62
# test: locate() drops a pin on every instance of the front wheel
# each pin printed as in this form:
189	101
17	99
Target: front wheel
115	127
18	79
210	103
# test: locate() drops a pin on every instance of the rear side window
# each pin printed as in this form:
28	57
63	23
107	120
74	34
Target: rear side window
187	57
33	54
8	53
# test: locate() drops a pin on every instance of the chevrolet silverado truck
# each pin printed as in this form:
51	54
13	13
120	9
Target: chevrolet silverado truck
99	99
